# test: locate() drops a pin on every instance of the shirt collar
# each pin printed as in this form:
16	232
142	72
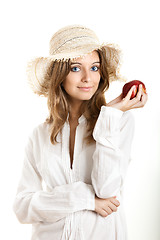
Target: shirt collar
81	119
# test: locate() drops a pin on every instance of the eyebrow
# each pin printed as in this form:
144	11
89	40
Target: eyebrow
81	63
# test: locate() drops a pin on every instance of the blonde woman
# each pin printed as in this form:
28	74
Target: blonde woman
76	161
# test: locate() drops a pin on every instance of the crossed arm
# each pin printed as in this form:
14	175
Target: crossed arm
110	162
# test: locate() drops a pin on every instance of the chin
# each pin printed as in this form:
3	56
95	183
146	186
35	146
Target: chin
86	98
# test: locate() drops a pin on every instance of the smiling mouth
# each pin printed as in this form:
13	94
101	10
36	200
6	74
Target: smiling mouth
86	89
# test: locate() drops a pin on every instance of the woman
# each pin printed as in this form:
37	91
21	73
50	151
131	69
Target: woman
76	161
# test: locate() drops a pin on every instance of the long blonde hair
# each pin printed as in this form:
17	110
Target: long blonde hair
58	104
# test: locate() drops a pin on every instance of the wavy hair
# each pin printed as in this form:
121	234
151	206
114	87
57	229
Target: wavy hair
57	101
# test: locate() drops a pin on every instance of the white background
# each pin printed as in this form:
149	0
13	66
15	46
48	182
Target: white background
26	28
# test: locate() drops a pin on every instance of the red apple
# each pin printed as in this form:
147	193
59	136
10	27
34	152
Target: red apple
128	86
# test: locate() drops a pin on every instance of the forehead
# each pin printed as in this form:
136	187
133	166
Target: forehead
90	57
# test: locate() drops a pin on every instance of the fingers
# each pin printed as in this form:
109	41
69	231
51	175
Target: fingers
111	205
105	207
109	209
103	213
139	94
128	96
115	202
140	100
126	103
144	98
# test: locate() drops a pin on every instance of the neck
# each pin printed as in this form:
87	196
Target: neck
75	110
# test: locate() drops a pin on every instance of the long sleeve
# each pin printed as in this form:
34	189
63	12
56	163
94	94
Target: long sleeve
113	133
33	204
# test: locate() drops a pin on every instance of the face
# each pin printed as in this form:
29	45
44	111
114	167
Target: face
83	79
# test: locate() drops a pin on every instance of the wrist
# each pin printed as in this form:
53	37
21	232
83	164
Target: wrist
118	106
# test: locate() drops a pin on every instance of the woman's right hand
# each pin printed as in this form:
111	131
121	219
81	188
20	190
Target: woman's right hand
125	104
105	207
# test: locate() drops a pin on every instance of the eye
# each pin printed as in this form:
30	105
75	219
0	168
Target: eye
75	69
95	68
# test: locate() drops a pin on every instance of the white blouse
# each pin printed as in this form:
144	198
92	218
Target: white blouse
59	201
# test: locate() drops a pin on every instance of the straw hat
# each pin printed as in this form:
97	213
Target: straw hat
68	43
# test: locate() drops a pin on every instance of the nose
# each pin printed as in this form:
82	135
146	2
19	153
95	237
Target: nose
86	76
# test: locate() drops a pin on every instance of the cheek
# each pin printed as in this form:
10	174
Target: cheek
97	81
69	81
66	84
96	85
69	86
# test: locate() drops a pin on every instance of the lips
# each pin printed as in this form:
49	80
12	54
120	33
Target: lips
86	89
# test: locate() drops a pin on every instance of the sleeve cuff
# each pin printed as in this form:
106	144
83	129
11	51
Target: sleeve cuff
110	111
90	204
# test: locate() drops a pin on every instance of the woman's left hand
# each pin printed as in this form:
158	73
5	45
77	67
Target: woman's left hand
125	104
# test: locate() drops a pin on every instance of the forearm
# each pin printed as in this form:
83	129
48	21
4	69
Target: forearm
33	204
113	134
55	205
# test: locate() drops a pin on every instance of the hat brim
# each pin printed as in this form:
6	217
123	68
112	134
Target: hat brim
39	67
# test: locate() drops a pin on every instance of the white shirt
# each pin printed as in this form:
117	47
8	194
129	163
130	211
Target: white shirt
59	201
